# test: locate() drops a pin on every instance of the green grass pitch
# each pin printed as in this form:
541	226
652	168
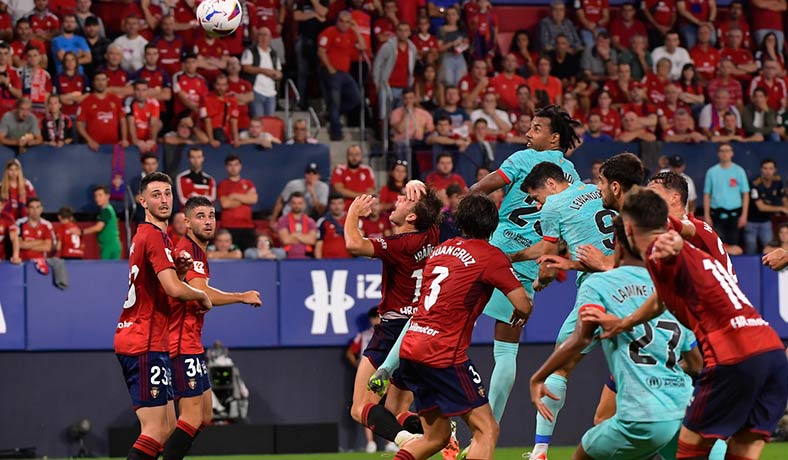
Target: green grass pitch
774	451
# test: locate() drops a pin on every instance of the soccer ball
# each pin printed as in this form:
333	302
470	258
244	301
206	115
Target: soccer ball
219	17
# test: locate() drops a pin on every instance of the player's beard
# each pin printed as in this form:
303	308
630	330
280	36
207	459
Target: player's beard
204	236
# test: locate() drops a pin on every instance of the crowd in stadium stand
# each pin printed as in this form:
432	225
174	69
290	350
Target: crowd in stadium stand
440	74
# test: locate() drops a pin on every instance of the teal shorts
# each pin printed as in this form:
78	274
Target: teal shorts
615	439
500	308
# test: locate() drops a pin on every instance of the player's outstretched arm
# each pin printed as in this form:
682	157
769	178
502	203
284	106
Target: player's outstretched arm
667	245
541	248
614	325
692	362
219	297
174	287
489	183
563	355
594	260
355	243
523	305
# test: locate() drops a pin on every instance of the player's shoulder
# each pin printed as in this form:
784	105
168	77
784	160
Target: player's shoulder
47	224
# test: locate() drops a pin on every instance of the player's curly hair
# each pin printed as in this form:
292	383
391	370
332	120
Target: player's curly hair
562	124
647	210
477	216
427	210
673	182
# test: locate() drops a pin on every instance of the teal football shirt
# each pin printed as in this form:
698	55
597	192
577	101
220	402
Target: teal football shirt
576	215
651	386
519	226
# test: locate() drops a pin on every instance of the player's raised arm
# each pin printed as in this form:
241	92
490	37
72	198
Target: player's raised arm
614	325
562	356
355	243
174	287
219	297
543	247
489	183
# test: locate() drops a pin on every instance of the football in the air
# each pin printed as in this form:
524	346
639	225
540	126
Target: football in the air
219	17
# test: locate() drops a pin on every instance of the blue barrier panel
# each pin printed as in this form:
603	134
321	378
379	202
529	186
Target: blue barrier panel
12	307
748	272
82	317
320	300
241	326
774	299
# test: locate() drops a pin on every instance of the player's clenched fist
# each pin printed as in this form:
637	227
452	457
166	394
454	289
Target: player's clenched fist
183	263
252	298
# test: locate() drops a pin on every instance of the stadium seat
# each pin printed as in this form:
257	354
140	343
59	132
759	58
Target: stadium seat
274	126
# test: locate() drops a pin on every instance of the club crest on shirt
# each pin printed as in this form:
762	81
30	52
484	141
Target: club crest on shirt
192	383
154	392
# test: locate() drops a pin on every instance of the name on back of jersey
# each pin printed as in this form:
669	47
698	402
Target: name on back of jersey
632	290
580	200
457	251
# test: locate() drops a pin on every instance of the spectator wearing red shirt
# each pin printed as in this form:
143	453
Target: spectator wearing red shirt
744	65
660	18
711	116
117	77
159	83
171	47
44	24
237	196
71	85
24	37
474	85
385	27
241	90
545	82
376	224
725	81
625	26
427	44
395	185
443	176
692	92
36	82
767	16
336	45
775	87
361	16
611	120
734	18
657	82
705	56
57	128
186	24
143	118
620	87
482	30
189	88
10	84
69	240
682	129
149	16
633	131
15	190
394	65
331	235
297	231
639	105
506	83
353	179
6	25
593	16
105	112
271	14
212	57
8	229
36	234
194	181
526	59
220	115
666	110
694	13
731	130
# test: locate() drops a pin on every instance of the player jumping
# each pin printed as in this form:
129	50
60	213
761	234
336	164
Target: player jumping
141	338
459	279
742	392
653	390
187	356
403	254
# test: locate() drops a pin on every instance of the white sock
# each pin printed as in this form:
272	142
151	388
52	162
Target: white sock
540	448
402	437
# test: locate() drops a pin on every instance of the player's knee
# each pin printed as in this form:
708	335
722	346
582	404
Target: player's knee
207	417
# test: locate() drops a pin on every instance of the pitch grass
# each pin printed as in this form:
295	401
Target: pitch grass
774	451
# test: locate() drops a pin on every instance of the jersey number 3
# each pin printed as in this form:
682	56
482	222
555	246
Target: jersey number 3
131	297
435	286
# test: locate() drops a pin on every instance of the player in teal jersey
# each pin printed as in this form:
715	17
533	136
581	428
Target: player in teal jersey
653	389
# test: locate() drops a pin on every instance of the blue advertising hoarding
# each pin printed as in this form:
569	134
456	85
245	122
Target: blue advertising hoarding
12	307
774	299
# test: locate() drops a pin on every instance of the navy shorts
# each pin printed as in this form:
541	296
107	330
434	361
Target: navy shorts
190	376
747	396
452	390
383	339
148	378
